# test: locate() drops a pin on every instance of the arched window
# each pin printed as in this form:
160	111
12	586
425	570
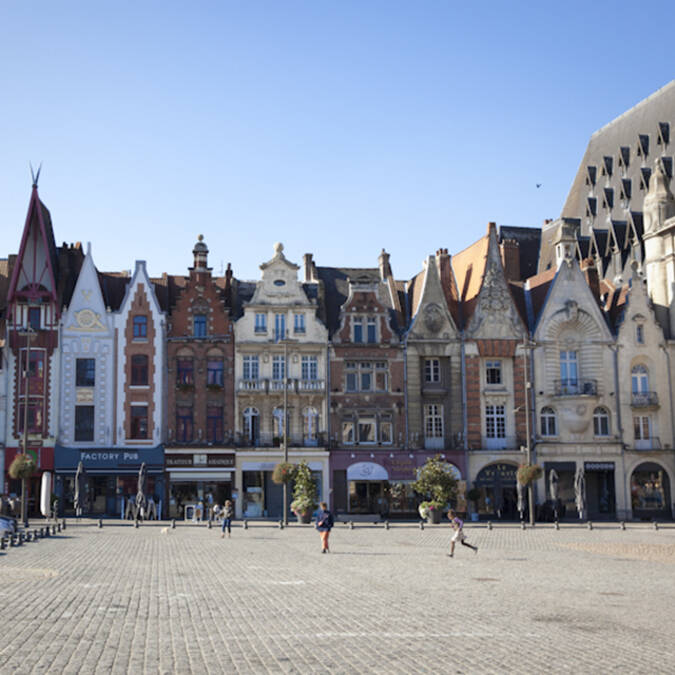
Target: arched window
278	416
310	418
548	422
251	425
601	422
640	379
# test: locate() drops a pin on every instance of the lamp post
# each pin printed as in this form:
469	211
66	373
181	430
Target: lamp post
29	333
528	447
284	439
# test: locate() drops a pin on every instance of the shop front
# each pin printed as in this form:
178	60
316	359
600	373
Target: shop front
566	506
44	461
197	480
600	489
650	492
258	496
111	479
380	482
498	496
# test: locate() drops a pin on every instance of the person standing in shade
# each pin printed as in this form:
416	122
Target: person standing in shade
324	523
227	512
457	525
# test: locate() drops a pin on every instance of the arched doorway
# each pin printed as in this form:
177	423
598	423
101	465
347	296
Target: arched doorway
367	482
496	484
650	492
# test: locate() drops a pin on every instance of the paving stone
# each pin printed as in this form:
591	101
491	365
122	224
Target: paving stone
121	600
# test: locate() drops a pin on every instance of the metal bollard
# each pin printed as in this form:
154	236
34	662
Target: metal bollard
3	544
54	530
656	525
421	524
21	538
246	524
58	527
386	524
522	524
100	523
590	525
64	524
281	524
623	524
351	524
557	525
210	526
136	523
12	541
173	523
35	535
489	524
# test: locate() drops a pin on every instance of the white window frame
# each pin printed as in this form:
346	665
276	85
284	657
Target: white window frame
432	371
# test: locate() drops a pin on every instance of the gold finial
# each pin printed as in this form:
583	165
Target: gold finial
200	237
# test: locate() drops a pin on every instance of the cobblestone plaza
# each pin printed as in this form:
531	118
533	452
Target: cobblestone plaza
121	599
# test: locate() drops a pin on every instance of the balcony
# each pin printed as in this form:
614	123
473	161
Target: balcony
251	385
576	387
644	399
311	385
653	443
278	385
264	439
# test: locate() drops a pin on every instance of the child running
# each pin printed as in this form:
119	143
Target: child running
457	525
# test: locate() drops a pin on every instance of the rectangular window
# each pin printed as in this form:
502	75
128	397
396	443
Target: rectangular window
299	323
184	424
310	367
495	421
348	432
279	327
185	371
433	421
365	376
140	327
214	372
251	368
278	368
34	416
85	371
84	422
367	430
432	370
386	430
351	376
493	372
199	325
261	323
214	424
34	315
640	334
139	370
357	322
372	330
642	427
139	421
569	373
381	376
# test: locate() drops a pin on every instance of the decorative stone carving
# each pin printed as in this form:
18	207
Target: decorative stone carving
494	296
87	320
433	318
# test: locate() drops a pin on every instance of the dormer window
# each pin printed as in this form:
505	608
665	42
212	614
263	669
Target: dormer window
357	323
607	166
591	207
643	145
667	164
626	189
261	323
590	175
372	330
663	134
299	323
279	282
608	200
624	157
645	175
140	327
34	317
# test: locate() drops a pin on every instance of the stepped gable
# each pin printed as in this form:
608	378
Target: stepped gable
618	152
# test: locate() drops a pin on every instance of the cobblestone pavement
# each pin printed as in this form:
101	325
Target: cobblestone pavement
121	599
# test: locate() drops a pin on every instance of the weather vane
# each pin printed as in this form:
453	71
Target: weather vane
35	176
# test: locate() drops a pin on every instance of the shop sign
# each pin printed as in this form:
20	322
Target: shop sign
599	466
106	458
178	460
496	473
401	468
220	460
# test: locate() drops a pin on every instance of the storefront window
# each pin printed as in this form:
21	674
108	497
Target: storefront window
650	489
253	504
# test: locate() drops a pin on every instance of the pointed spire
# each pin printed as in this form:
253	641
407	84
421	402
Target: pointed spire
659	204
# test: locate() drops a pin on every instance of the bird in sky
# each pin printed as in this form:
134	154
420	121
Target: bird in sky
538	185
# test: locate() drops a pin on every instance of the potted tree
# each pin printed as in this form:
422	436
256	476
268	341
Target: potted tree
436	482
304	493
22	467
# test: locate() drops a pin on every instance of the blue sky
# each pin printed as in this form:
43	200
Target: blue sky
338	128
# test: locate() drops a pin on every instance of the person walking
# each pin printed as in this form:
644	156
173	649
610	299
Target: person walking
457	525
228	512
324	523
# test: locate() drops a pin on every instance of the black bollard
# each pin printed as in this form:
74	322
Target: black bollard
136	523
386	524
522	524
63	524
58	527
210	524
12	541
54	530
421	524
35	535
489	524
173	523
623	524
21	538
3	544
246	524
281	524
656	525
351	524
557	525
590	525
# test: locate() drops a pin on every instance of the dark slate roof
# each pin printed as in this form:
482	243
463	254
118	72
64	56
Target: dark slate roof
70	263
529	242
113	287
644	127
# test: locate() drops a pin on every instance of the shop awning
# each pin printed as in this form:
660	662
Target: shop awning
191	476
367	471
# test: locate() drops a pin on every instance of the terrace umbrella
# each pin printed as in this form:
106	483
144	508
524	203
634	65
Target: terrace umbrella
140	494
553	481
580	491
521	498
80	489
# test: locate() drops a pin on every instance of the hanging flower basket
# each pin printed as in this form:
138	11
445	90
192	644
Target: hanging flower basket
283	473
22	466
528	473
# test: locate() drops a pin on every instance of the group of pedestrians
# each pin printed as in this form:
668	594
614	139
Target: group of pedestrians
325	522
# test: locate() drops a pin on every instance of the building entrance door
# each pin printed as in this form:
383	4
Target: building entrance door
366	496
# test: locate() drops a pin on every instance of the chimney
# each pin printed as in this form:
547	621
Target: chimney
385	268
310	268
590	272
511	259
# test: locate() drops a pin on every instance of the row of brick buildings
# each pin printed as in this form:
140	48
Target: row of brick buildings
478	356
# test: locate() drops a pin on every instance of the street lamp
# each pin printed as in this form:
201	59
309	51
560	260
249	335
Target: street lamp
29	334
528	447
284	439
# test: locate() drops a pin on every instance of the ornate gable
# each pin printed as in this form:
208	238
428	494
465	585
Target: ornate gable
431	318
495	315
87	312
279	284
